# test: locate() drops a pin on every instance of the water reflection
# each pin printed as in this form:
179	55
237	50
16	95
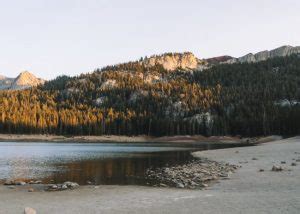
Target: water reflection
99	163
121	171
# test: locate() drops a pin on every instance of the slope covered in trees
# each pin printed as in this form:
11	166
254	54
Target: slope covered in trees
257	98
131	99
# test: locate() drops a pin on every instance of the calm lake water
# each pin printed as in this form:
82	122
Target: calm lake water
103	163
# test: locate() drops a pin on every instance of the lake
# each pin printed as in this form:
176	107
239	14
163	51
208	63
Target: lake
99	163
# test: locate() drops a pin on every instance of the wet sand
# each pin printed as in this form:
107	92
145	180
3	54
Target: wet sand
247	190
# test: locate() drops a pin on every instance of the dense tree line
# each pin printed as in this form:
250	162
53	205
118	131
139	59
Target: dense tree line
131	99
257	98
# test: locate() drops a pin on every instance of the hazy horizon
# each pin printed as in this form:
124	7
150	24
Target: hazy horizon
51	38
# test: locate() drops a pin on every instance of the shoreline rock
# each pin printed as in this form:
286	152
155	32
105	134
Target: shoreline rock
59	187
197	173
14	183
276	168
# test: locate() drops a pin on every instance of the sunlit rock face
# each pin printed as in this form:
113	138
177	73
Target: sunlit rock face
109	84
174	61
22	81
26	80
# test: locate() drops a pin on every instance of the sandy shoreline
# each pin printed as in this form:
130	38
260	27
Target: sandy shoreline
247	190
133	139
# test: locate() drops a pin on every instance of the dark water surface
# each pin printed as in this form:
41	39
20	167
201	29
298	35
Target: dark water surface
103	163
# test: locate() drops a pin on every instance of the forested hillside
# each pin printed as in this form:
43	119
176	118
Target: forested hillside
246	99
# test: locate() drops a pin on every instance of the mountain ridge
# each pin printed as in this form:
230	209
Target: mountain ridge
189	62
185	61
282	51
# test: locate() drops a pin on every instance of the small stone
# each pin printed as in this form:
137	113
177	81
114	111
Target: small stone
261	170
163	185
243	162
194	183
11	187
89	183
214	177
21	183
29	210
223	175
179	185
30	190
236	151
277	168
254	159
293	164
64	187
71	184
53	187
192	187
9	183
298	160
283	162
35	182
204	185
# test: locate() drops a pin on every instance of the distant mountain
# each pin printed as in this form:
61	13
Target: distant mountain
22	81
5	82
264	55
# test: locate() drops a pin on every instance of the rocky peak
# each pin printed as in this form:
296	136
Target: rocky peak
173	61
25	80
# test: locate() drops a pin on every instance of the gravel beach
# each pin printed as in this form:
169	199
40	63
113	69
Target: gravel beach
253	188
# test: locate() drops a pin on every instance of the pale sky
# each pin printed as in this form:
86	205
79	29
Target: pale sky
55	37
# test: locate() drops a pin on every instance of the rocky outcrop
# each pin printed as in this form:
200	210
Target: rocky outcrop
99	101
108	84
174	61
137	95
22	81
65	186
